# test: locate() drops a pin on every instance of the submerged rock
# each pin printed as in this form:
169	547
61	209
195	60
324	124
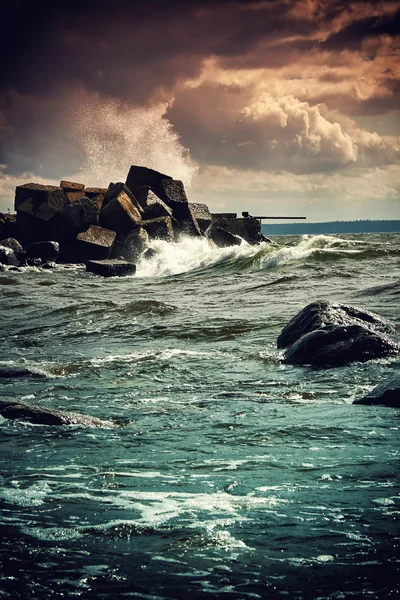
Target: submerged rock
111	268
11	409
322	313
387	393
336	346
94	244
47	251
8	257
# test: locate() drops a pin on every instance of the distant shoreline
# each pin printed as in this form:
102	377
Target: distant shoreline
362	226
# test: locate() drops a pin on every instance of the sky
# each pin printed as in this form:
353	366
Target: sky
288	107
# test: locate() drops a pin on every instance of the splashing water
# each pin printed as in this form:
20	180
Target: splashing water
114	135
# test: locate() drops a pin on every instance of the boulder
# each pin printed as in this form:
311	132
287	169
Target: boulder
387	392
11	409
120	214
130	247
76	218
72	186
36	222
94	244
45	250
40	194
159	229
138	176
202	215
8	257
111	268
221	237
336	346
322	313
11	243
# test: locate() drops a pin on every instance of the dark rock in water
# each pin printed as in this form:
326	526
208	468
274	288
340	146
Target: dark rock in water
37	221
49	265
115	189
11	243
143	176
387	392
322	313
131	246
44	250
33	262
8	257
111	268
10	371
94	244
159	229
120	214
172	192
335	346
11	409
154	206
72	186
202	215
76	218
221	237
39	194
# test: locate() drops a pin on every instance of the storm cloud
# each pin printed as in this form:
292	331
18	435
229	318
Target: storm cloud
303	90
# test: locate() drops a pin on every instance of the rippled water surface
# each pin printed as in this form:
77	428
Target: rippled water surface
226	474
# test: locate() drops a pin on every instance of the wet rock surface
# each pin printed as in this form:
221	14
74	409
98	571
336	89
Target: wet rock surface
11	409
111	268
387	393
322	313
336	346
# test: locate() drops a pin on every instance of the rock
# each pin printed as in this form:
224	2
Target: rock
115	189
76	218
11	243
36	222
71	186
40	194
185	221
159	229
11	409
74	196
91	192
153	206
111	268
131	246
8	257
94	244
49	265
172	192
202	215
32	262
335	346
150	253
322	313
44	250
387	392
221	237
120	214
138	176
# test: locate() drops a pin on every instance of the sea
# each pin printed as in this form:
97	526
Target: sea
221	471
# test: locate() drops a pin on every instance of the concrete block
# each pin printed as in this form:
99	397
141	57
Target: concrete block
160	228
94	244
40	194
138	176
71	186
120	214
130	247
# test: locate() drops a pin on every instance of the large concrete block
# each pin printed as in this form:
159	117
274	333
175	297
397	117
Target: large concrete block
172	192
138	176
130	247
120	214
185	221
115	189
94	244
221	237
160	229
73	196
40	194
91	192
111	268
202	215
71	186
155	207
77	217
35	222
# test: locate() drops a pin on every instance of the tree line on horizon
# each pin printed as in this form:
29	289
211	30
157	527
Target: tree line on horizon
356	226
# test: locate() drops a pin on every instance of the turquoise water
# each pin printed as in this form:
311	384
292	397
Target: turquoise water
227	474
